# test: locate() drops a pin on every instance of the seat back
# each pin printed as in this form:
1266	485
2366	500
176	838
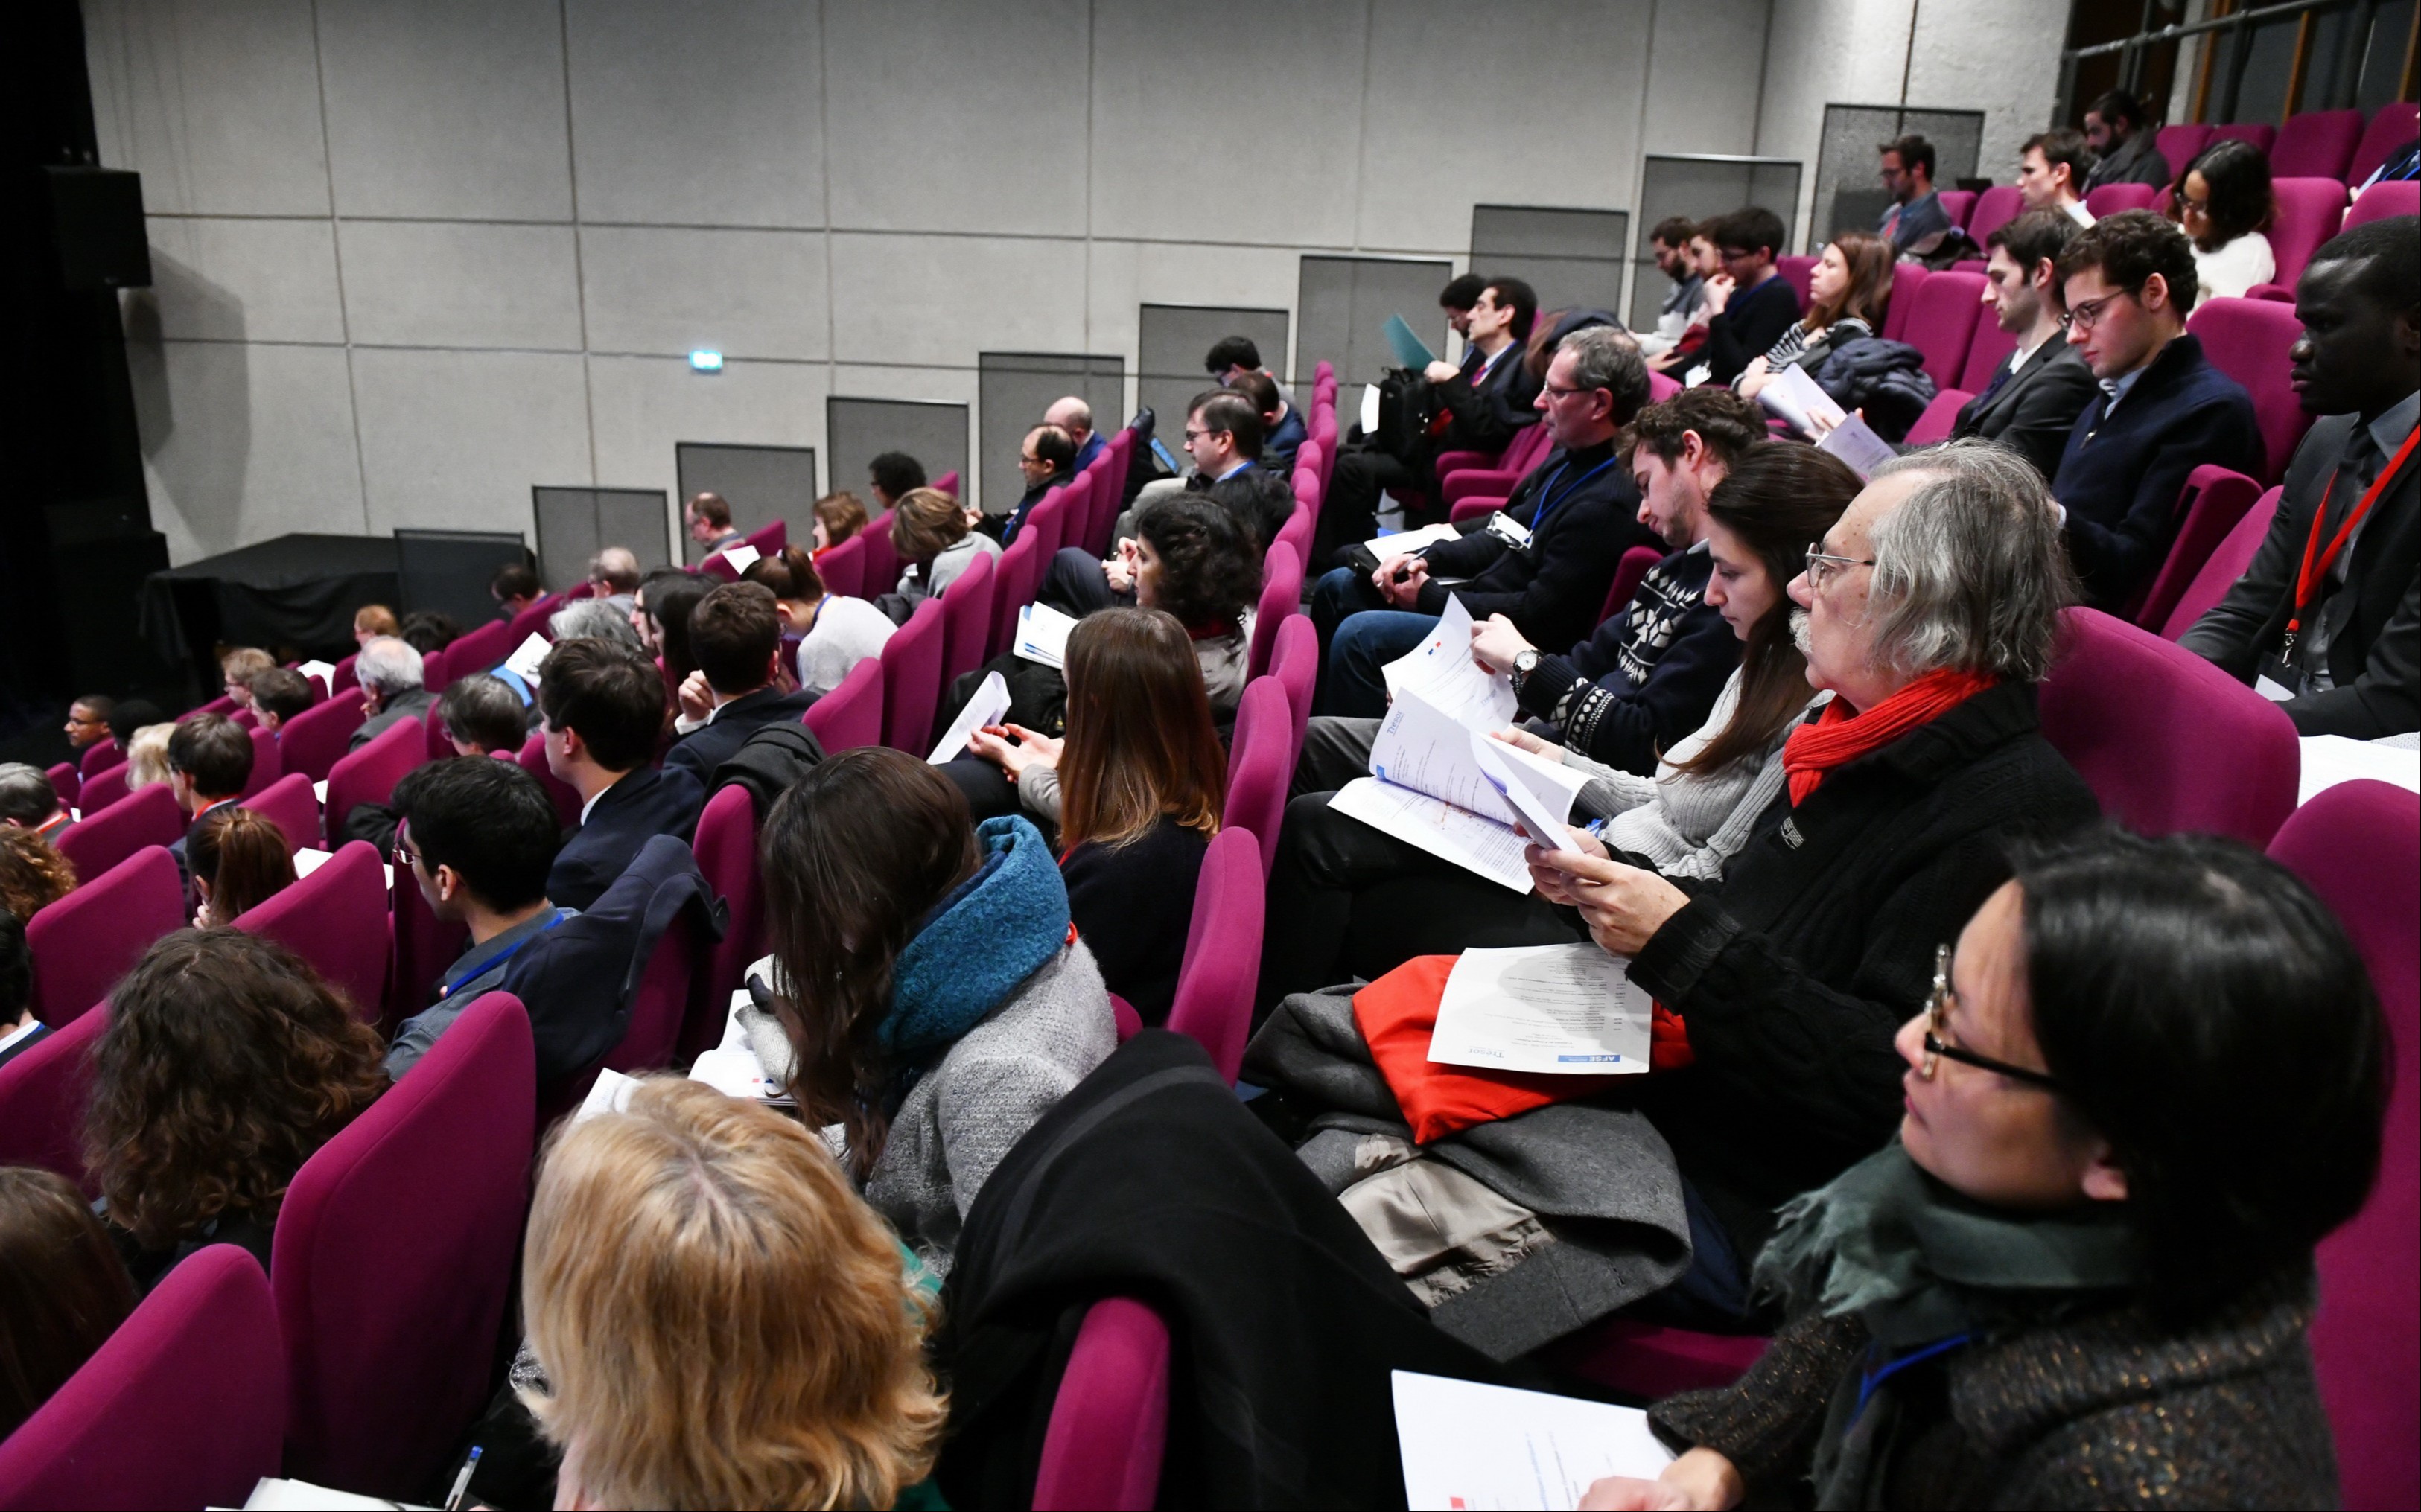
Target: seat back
184	1406
2213	500
369	774
482	648
83	942
1906	279
771	538
102	791
44	1091
66	782
1995	206
1295	664
99	841
1797	271
436	669
851	714
533	760
2260	133
1109	1424
336	919
291	802
1941	322
1258	765
2310	210
2394	124
966	619
843	568
1627	574
947	483
2358	845
2226	564
1661	387
2385	201
265	765
314	741
2317	144
531	621
1941	415
99	757
1018	574
2112	198
882	557
1985	349
911	678
726	854
1296	533
660	1008
1957	204
2247	339
1281	596
436	745
1223	950
2139	719
394	1258
2178	144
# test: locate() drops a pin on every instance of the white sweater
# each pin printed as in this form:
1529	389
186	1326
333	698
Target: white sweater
846	632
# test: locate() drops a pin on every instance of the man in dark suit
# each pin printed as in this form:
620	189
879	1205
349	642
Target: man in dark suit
390	673
210	760
603	704
2328	616
1047	460
2162	411
1073	416
2035	396
1282	429
735	632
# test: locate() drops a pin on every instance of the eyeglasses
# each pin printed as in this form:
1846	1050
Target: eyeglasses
1559	391
2086	316
1937	1007
1821	565
1200	435
404	855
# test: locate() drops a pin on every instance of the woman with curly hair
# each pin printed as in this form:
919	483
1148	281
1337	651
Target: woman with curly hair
33	876
226	1063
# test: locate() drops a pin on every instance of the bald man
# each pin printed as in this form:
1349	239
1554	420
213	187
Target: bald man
615	573
1076	417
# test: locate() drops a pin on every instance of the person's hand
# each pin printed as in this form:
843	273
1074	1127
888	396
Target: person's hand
1623	1493
1514	735
1385	571
1120	569
1717	293
1754	378
697	698
992	743
1439	370
1494	644
1551	871
1700	1480
1041	749
1403	589
1622	905
202	917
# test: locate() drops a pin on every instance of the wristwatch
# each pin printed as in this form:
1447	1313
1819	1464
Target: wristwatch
1525	662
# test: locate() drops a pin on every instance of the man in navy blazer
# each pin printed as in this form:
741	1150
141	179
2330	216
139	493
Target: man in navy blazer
2164	410
603	704
735	633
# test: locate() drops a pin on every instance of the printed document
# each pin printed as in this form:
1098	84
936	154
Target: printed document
324	671
1856	442
1801	402
1469	1445
989	706
1443	672
742	557
1042	634
1411	351
523	663
1554	1008
1405	543
1442	786
2329	759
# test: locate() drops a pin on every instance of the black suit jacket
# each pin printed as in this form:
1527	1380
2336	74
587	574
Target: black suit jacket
627	815
2374	619
703	749
1487	415
2033	411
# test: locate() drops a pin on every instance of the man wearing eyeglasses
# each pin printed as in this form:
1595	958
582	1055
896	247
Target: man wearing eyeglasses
2162	411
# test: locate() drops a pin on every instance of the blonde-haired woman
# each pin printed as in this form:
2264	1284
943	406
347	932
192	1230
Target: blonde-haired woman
147	756
721	1320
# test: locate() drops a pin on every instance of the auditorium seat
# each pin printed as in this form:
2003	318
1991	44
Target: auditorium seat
1798	270
223	706
769	539
1906	279
288	800
1995	208
1050	518
99	841
1281	596
1661	387
2385	201
1647	1362
369	774
2317	144
184	1406
2112	198
99	757
2180	144
1223	950
565	797
2391	127
1941	322
726	855
436	745
1296	533
1295	664
1957	204
480	649
2225	565
393	1261
2147	724
1258	765
313	741
912	678
67	783
1939	417
44	1091
266	767
2358	845
83	942
346	674
531	621
2248	341
947	483
882	573
1988	346
244	719
1528	448
966	619
336	919
102	791
1627	574
661	1014
2260	133
1109	1424
2213	499
1015	576
437	670
851	715
2310	210
717	567
843	568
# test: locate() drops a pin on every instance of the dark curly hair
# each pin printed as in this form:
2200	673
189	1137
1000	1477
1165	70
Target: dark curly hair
226	1063
1208	571
33	876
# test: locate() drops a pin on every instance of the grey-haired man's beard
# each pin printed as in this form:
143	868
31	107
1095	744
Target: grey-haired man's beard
1799	633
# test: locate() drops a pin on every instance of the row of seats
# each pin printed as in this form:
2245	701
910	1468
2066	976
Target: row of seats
2313	144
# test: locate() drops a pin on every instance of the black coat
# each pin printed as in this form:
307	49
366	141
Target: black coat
1553	589
627	815
711	745
1752	321
1486	416
1794	974
2034	410
1133	906
1885	379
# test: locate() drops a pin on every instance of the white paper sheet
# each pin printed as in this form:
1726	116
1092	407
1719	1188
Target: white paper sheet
1404	542
310	858
1566	1010
1441	670
733	1074
1541	791
1367	412
1856	442
1480	846
1800	401
2329	759
1423	747
320	791
324	671
1486	1447
276	1494
989	705
1042	634
611	1093
739	558
523	663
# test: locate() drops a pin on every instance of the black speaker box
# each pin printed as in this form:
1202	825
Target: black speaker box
97	228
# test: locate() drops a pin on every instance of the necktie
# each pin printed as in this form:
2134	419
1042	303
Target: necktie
2000	377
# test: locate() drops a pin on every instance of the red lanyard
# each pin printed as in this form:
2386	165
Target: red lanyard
2316	562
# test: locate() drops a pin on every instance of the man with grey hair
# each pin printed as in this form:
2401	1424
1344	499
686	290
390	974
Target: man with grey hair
390	675
29	802
1076	417
615	573
594	619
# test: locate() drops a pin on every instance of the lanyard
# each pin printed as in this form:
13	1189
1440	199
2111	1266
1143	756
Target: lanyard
1548	501
500	957
2317	562
1875	1376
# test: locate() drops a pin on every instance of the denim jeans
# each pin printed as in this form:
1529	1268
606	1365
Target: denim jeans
1359	634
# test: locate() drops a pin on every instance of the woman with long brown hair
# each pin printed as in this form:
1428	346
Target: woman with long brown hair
63	1290
836	631
1846	290
240	859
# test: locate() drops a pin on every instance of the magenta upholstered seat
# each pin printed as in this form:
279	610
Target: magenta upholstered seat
2247	339
2213	500
223	705
1985	349
99	757
533	760
1295	534
771	538
882	557
2147	723
1281	596
482	648
2310	210
851	714
2260	133
2359	846
966	619
2391	127
290	802
99	841
83	942
726	854
1295	664
1305	482
66	782
244	719
436	745
345	675
369	774
2112	198
1223	951
2226	564
266	767
424	946
336	919
43	1094
1907	278
314	741
1109	1424
2385	201
1015	577
1941	414
2178	145
1647	1361
1661	387
911	678
2317	144
1995	206
184	1404
1259	765
843	569
1797	271
1957	204
1528	448
1627	573
1941	322
531	621
393	1260
718	568
103	790
667	989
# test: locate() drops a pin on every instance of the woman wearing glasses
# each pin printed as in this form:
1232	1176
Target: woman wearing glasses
2082	1274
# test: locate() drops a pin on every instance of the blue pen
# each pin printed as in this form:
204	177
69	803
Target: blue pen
462	1480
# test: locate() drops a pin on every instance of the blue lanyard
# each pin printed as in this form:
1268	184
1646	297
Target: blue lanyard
1548	501
1869	1380
498	959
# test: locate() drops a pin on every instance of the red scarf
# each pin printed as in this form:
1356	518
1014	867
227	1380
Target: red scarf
1838	736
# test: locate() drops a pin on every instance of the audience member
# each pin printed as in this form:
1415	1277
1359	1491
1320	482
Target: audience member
429	630
2050	173
1750	304
604	619
514	587
87	723
2162	411
1045	459
939	1004
240	859
2403	165
1282	428
892	476
1223	437
1074	417
480	840
389	672
63	1289
29	802
614	574
372	620
2124	144
1915	221
277	696
836	631
2328	614
210	761
146	755
931	533
1231	358
736	632
603	704
720	1320
659	612
20	1031
1706	264
237	668
33	875
127	715
838	518
1544	564
2224	204
2033	397
483	715
1846	290
226	1063
1670	243
2077	1225
1456	298
706	518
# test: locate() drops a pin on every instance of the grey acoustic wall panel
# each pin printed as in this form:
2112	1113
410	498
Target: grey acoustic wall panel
1344	302
448	572
574	523
1015	387
1700	186
856	431
1171	342
1573	259
762	484
1849	195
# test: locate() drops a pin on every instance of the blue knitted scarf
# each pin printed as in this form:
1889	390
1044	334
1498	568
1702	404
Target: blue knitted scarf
993	931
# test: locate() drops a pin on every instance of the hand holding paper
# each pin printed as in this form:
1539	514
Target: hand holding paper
1623	905
989	705
1442	670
